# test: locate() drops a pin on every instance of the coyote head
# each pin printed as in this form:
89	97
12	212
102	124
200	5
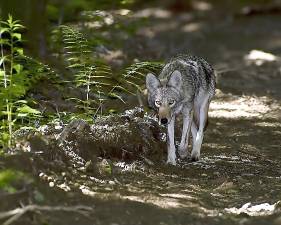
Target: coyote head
164	96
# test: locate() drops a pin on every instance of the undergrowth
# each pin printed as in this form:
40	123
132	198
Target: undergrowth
87	72
18	74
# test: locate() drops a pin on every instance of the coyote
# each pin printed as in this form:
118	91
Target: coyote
185	85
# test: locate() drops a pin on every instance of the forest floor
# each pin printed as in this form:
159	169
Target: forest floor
240	159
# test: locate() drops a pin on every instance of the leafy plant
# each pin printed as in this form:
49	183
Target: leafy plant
135	74
91	74
14	79
94	77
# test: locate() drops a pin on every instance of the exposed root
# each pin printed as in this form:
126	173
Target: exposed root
15	214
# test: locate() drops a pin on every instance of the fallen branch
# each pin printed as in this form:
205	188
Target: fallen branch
15	214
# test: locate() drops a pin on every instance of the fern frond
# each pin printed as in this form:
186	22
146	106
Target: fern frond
36	68
141	68
134	75
90	73
95	77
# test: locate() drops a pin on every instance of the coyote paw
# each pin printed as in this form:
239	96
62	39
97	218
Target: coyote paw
195	156
171	161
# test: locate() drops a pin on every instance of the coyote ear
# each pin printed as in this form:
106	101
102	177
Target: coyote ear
175	79
152	82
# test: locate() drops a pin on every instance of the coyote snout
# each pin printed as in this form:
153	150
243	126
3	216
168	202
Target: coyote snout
164	114
185	85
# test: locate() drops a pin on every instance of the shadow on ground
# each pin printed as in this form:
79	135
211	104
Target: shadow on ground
240	157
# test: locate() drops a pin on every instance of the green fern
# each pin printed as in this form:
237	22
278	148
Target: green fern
90	73
76	48
135	74
35	71
94	77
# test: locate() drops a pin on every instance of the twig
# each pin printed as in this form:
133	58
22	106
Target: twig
15	214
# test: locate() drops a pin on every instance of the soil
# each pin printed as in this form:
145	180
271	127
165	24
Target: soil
240	159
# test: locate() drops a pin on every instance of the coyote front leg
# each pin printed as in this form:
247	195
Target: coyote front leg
187	119
171	142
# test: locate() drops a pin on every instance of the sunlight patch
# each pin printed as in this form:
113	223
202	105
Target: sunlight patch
191	27
259	57
86	191
178	196
153	12
209	162
255	210
174	200
160	202
268	124
245	106
216	146
202	5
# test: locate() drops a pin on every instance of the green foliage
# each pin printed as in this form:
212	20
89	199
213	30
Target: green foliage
35	71
9	73
15	80
96	78
91	74
10	178
135	74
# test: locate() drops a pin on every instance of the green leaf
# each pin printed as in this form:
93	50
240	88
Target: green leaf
21	101
17	36
28	128
4	42
10	19
19	50
17	26
76	65
114	95
27	109
22	115
18	68
3	30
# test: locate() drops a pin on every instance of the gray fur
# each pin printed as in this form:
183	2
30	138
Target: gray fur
152	82
175	80
185	85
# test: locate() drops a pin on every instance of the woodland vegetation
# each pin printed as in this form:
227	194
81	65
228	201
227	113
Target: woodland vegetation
78	143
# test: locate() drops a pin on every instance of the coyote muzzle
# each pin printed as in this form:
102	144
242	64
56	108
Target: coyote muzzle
164	114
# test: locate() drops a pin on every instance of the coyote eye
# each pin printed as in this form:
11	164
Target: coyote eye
157	103
171	102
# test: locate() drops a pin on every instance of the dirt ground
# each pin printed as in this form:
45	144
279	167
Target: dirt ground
240	159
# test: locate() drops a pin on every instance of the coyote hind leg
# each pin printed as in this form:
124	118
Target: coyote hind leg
202	116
